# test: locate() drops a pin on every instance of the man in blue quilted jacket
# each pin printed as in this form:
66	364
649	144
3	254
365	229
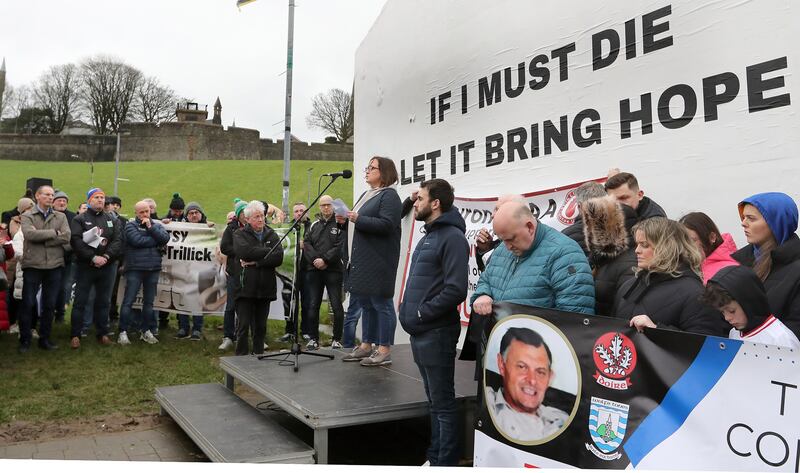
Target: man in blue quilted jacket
436	287
536	265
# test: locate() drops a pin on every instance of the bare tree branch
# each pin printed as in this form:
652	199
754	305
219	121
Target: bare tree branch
57	92
109	88
331	112
154	103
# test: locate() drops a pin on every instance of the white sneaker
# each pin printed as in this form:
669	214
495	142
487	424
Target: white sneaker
336	345
123	339
34	334
148	337
226	344
13	329
266	347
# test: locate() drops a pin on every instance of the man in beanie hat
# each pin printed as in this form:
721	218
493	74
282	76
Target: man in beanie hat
176	207
226	247
194	214
97	244
60	203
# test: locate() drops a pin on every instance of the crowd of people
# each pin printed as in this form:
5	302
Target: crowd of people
622	257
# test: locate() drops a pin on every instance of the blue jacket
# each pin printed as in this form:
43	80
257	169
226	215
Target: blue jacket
142	245
437	281
554	274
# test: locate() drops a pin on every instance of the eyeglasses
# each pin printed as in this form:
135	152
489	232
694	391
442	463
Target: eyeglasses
371	168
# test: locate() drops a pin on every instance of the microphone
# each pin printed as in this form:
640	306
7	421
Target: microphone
347	174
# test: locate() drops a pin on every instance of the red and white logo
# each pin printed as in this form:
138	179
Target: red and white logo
569	209
615	359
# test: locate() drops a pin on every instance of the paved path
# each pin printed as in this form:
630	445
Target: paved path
166	442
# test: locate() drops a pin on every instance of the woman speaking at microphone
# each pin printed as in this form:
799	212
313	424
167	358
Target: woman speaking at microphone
373	251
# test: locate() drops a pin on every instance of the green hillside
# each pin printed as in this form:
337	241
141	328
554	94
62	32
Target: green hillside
214	184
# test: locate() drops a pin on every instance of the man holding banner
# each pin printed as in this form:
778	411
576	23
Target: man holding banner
536	266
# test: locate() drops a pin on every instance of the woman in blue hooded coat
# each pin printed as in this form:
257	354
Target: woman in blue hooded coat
770	221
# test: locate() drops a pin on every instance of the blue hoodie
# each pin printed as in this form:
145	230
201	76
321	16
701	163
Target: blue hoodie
778	209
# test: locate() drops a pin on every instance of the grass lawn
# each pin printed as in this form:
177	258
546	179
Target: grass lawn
214	184
95	380
99	380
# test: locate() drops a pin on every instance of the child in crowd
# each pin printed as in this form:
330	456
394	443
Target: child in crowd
739	294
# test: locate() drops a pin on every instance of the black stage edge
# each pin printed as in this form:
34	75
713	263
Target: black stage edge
328	394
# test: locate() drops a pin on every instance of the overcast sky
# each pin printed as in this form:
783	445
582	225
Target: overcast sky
200	48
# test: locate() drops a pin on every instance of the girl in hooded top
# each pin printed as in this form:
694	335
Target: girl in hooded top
715	247
740	296
770	222
666	290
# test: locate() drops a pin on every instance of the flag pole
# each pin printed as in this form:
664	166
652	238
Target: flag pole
287	135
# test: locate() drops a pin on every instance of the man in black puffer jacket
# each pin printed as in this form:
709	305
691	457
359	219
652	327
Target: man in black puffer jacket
322	258
436	286
93	266
254	274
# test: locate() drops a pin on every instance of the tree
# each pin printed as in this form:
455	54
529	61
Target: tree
8	99
57	92
109	88
332	112
15	101
154	103
33	120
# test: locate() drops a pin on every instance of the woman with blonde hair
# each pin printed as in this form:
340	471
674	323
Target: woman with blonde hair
666	290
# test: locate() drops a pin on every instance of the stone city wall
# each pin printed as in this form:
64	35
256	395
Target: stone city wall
175	141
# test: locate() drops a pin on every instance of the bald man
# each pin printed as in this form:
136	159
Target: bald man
323	264
143	239
535	265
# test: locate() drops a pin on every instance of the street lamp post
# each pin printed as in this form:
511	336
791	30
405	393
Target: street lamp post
116	166
287	133
309	185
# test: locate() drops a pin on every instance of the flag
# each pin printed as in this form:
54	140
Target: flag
241	3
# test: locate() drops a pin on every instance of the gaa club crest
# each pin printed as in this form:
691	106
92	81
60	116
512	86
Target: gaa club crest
569	209
608	421
615	358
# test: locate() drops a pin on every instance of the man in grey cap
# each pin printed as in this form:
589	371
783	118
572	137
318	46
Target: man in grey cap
60	203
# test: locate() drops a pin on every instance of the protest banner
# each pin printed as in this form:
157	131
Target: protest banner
655	400
193	279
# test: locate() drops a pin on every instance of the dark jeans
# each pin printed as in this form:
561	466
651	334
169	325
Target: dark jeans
197	323
435	355
102	280
50	282
66	288
251	310
229	317
316	282
148	281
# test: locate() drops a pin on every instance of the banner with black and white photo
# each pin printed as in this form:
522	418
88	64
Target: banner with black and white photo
564	390
193	279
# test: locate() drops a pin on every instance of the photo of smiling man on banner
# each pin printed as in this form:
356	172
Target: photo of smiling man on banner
527	402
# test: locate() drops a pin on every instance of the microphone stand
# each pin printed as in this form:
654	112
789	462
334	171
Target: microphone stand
297	349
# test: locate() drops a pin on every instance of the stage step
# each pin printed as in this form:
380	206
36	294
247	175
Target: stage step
229	430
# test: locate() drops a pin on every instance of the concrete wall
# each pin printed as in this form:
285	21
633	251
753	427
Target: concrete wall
178	141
